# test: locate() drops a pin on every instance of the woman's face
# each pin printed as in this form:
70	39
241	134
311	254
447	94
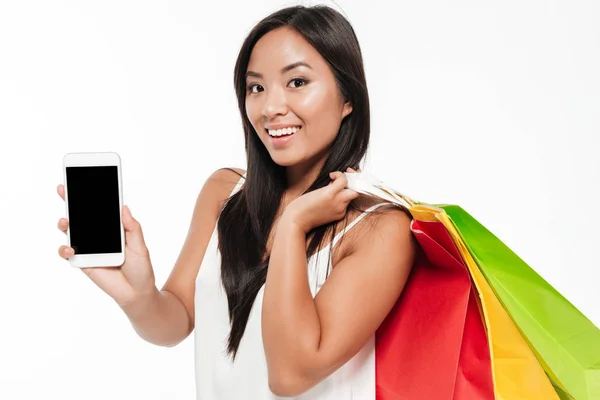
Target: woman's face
292	99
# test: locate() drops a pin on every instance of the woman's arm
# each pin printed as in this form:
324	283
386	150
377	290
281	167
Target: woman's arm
166	317
307	339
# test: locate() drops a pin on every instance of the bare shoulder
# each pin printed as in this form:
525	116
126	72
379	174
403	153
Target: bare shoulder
388	216
220	184
388	222
387	226
385	239
227	175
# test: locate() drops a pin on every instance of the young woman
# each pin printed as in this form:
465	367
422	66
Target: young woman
280	305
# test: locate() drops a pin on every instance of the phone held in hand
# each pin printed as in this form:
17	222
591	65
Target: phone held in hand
94	200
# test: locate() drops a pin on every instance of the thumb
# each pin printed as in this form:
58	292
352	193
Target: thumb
133	229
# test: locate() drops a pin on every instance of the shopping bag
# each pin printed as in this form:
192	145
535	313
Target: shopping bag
515	353
433	344
564	340
516	372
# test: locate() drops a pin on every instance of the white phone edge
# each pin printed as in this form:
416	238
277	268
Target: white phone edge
95	159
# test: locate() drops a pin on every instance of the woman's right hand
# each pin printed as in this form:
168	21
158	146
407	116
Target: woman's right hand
135	278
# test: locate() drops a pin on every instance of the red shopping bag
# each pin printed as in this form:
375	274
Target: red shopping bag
433	344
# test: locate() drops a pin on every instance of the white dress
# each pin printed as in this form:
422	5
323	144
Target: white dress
218	378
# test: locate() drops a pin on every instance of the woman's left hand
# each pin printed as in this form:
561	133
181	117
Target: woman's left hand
321	206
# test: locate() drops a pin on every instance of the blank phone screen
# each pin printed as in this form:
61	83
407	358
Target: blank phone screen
94	211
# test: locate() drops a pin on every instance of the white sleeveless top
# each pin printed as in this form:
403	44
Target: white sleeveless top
217	378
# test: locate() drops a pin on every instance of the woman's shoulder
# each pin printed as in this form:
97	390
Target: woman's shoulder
388	220
221	183
386	210
227	176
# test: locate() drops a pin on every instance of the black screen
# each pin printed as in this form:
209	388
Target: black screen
94	212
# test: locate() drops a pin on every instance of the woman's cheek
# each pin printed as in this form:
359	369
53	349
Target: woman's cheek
311	101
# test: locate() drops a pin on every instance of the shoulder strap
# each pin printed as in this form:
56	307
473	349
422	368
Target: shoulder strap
356	221
238	185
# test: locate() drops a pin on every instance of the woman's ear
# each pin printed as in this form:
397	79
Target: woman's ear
346	110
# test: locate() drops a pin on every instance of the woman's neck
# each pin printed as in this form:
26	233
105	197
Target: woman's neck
300	177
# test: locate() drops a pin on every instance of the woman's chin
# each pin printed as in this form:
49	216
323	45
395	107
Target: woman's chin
296	159
285	162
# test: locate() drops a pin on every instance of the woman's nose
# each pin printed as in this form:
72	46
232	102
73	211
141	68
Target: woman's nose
275	104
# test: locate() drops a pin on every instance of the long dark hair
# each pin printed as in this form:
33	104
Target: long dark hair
248	216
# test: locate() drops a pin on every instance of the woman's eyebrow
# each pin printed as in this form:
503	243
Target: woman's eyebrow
283	70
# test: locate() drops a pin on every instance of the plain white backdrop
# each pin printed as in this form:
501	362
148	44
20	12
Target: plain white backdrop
490	105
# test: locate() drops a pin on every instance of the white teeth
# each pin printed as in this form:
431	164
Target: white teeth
283	132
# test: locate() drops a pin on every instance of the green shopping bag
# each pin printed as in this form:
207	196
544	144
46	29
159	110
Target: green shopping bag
566	343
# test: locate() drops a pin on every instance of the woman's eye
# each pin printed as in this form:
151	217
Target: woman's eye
254	86
298	82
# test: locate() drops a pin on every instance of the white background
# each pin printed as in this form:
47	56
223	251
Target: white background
493	106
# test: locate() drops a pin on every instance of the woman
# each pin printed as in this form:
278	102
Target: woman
280	305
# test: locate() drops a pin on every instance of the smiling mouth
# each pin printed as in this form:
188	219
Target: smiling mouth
282	133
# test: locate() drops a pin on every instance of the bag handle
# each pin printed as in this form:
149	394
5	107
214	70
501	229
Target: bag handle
365	183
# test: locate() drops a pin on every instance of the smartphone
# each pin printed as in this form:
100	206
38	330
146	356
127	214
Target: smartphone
94	199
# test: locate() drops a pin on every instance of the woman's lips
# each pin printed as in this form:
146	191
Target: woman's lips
283	140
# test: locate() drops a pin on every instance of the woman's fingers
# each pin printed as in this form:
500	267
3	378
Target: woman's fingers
339	181
63	224
347	195
335	175
60	189
65	252
339	184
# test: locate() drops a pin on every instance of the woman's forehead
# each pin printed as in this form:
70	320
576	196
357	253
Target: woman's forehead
282	47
